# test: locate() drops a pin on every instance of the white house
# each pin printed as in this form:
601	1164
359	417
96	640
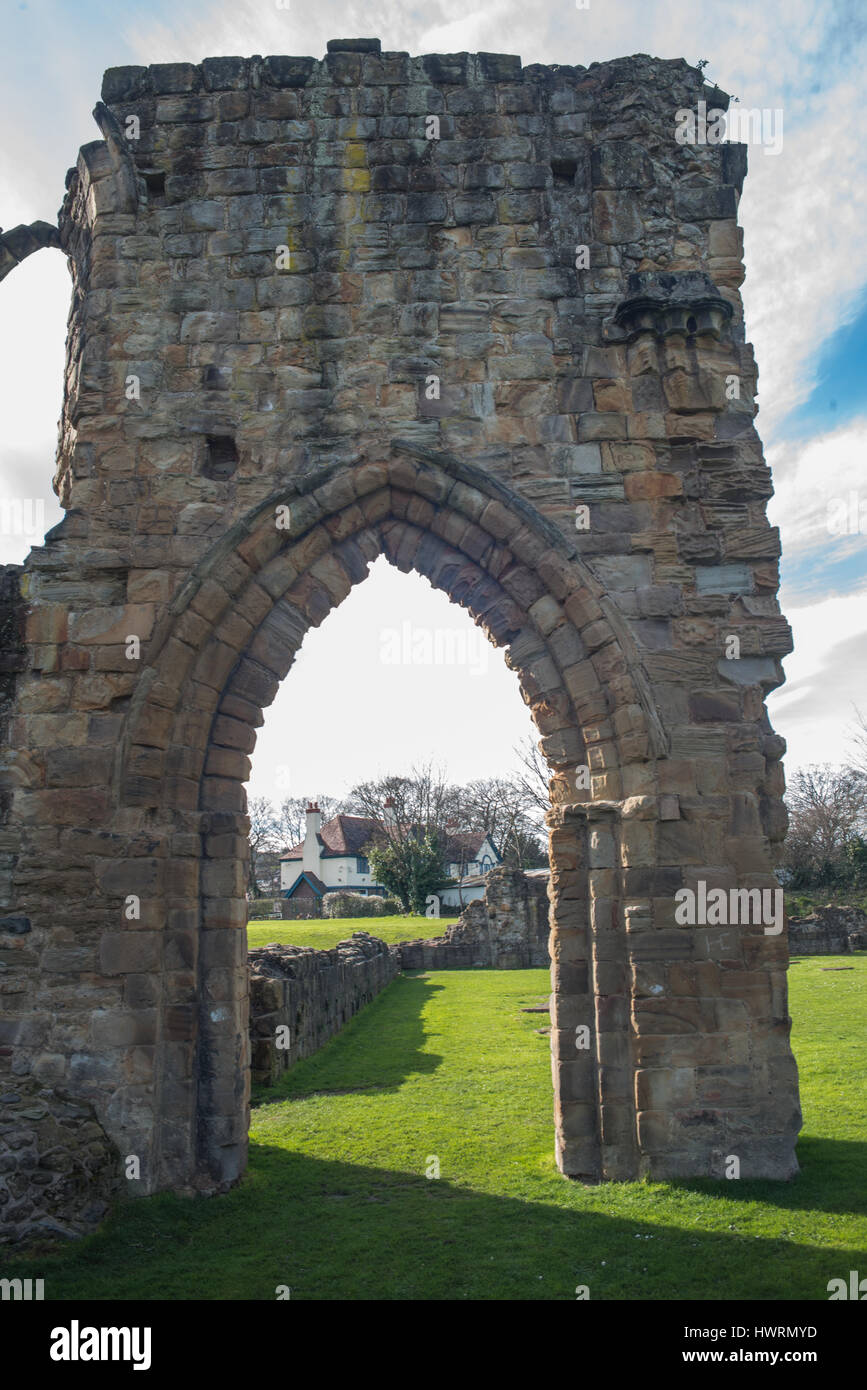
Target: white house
472	855
332	856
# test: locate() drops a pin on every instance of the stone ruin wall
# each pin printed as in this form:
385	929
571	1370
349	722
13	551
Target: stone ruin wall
303	386
828	931
506	930
311	993
314	993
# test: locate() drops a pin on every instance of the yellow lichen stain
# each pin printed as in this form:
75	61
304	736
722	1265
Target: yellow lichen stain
356	154
292	236
355	180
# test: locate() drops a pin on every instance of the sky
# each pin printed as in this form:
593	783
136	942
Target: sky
366	692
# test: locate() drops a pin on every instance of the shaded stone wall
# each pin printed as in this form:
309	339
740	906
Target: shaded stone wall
505	930
270	259
829	931
312	994
58	1171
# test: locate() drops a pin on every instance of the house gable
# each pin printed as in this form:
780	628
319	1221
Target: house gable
306	885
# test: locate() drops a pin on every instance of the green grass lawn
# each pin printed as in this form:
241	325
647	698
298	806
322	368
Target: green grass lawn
336	1203
323	932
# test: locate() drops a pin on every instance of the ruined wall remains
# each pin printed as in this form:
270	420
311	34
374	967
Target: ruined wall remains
312	994
59	1172
828	931
485	320
505	930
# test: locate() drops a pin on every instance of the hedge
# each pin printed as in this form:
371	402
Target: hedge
360	905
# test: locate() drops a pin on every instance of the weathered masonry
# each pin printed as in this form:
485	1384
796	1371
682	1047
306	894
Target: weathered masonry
325	311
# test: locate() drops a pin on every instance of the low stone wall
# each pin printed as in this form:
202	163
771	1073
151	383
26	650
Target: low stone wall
312	994
505	930
829	931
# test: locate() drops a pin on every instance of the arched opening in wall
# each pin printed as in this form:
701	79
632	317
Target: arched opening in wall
216	663
396	790
35	298
398	677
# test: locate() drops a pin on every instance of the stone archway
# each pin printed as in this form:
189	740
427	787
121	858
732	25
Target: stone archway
213	387
218	660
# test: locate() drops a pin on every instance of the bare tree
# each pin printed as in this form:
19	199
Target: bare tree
827	809
503	808
859	762
291	817
422	802
408	845
264	836
533	778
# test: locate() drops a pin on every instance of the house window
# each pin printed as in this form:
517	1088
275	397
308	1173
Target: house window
362	865
486	864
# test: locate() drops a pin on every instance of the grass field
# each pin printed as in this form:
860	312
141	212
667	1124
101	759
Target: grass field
323	932
337	1205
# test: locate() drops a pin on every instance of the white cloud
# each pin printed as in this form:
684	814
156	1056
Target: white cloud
803	213
815	709
35	299
811	479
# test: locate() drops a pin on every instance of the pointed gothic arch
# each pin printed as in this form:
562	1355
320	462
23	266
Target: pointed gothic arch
217	660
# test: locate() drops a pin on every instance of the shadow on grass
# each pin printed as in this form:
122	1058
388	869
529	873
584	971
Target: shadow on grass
334	1229
378	1049
833	1178
344	1231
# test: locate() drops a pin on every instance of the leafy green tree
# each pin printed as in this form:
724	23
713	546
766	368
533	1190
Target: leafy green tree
411	868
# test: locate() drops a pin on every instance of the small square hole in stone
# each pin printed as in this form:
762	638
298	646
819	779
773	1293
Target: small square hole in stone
216	378
222	457
564	170
155	182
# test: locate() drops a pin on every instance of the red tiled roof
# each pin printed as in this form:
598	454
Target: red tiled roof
467	843
340	836
348	835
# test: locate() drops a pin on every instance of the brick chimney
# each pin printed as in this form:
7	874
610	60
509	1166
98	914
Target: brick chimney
311	854
388	812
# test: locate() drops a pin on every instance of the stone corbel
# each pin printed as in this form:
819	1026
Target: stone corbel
663	303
